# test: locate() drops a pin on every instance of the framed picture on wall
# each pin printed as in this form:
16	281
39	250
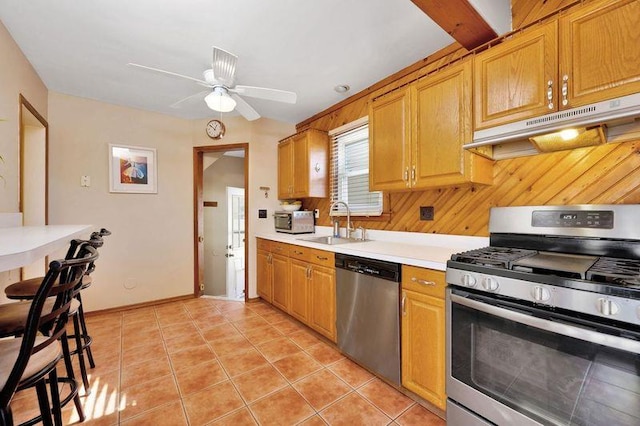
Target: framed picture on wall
133	169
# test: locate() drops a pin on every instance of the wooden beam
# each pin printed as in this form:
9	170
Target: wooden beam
460	20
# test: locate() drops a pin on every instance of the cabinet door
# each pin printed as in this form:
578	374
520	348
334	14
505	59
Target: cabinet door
281	282
323	301
511	80
390	142
600	51
423	350
285	169
263	275
442	117
299	305
300	166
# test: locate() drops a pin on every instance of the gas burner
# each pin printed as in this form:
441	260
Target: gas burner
498	257
611	270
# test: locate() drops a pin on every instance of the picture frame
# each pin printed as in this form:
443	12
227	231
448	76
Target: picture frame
133	169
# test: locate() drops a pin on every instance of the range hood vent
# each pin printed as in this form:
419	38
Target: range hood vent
614	120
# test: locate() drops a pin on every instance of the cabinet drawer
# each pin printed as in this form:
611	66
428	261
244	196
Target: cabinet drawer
280	248
322	258
424	281
300	253
262	244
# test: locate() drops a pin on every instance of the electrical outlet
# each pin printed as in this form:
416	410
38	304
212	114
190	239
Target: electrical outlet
316	213
426	212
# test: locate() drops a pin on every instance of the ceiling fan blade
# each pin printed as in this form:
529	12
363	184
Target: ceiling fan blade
264	93
224	66
173	74
189	98
244	108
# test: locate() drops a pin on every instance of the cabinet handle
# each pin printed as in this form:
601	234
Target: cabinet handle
403	304
421	281
309	272
550	93
270	258
406	174
565	90
322	258
413	174
297	252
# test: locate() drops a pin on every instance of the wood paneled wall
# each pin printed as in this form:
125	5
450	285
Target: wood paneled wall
603	174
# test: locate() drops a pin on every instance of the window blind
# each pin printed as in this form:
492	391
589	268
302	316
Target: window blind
350	173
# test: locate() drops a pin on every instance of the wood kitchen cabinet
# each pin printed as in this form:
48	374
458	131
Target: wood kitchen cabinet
303	163
280	275
588	55
423	333
417	135
313	289
264	271
300	281
299	306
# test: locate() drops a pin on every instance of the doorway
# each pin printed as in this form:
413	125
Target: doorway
34	138
220	222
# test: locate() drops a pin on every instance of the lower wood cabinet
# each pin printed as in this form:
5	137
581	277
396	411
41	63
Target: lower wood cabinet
299	306
281	281
300	281
264	273
323	301
423	334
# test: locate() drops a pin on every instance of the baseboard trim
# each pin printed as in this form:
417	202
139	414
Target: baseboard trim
140	305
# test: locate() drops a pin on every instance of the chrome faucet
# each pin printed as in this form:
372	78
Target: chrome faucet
348	228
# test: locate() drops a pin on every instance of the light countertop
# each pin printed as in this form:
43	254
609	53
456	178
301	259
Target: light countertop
23	245
410	248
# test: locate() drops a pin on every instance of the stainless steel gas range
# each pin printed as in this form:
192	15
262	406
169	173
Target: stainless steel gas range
543	326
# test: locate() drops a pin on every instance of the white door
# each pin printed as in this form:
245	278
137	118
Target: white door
235	243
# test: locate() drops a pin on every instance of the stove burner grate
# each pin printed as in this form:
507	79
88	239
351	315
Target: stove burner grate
616	271
499	257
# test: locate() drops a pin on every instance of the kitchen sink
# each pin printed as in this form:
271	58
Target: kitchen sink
332	241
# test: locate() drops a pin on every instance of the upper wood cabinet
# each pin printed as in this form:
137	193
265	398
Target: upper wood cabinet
588	55
517	79
390	141
303	163
417	133
600	51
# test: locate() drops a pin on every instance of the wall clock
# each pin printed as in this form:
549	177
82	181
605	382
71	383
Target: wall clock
215	129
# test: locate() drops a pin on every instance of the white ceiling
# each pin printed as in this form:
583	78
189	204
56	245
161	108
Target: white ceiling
81	48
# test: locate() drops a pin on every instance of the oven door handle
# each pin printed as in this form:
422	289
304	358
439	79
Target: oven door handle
620	343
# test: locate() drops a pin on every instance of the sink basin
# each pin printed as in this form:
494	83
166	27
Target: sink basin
332	241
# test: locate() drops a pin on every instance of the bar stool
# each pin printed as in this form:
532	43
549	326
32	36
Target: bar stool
25	290
27	361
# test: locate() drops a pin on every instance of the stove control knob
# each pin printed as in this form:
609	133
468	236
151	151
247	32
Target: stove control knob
468	280
607	307
541	294
490	284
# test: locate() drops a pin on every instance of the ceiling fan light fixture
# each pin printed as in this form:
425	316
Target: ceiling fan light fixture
219	100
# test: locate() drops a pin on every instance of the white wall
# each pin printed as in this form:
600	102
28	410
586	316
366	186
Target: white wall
150	254
17	76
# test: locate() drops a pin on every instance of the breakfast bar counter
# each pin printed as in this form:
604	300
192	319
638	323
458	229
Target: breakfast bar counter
23	245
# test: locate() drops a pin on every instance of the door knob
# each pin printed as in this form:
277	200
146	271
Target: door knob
229	255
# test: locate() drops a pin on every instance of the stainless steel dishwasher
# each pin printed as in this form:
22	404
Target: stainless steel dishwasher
368	317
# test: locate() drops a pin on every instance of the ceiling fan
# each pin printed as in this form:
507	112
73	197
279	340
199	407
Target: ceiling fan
223	95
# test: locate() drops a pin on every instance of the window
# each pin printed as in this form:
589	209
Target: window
350	170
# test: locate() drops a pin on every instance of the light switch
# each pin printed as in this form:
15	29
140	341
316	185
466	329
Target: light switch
85	181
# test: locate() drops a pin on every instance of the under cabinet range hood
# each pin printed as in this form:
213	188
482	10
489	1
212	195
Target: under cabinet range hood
614	120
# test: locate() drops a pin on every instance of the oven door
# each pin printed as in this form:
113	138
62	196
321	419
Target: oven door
283	221
514	364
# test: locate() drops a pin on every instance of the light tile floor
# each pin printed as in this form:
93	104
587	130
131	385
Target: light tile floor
205	361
